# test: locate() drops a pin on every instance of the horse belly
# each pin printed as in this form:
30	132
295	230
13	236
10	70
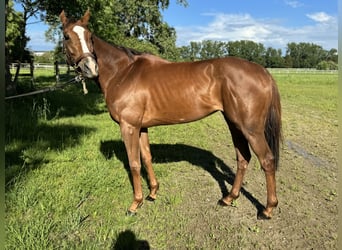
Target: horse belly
180	111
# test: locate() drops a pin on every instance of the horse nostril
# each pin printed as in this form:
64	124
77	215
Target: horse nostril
86	68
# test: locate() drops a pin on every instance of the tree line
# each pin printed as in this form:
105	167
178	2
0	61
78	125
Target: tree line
297	55
140	25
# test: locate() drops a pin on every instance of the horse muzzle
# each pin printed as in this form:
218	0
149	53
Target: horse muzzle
88	67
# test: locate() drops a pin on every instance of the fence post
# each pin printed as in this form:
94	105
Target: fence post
18	65
31	73
57	71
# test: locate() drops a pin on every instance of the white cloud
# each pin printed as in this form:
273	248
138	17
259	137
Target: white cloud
320	17
224	27
293	4
234	27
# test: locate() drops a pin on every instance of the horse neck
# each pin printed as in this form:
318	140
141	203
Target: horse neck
111	62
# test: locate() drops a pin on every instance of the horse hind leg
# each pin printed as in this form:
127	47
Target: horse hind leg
265	156
147	162
243	157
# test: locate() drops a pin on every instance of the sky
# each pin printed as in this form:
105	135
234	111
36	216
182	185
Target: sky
274	23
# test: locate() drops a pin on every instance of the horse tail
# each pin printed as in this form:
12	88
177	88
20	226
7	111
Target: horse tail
273	129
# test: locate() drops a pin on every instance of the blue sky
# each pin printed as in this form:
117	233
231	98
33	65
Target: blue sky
271	22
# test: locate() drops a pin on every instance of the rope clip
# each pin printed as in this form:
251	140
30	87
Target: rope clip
79	78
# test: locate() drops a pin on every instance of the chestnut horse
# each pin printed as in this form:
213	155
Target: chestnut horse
143	90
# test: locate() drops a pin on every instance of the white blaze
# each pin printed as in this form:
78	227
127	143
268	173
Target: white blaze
80	32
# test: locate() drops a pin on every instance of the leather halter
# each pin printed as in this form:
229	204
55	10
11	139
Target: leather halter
84	55
74	63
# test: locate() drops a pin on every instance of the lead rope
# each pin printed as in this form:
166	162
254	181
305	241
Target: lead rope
85	90
80	78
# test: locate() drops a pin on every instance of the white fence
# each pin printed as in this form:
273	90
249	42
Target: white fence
300	71
271	70
38	66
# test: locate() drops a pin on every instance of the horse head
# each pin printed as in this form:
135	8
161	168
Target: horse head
78	45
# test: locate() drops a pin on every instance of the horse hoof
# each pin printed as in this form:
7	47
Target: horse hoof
222	203
262	216
150	198
130	213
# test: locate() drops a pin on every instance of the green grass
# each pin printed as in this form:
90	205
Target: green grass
309	104
317	93
68	186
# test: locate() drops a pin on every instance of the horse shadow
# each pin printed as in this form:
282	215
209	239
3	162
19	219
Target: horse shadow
128	240
166	153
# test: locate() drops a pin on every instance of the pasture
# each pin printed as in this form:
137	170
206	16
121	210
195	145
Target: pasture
68	183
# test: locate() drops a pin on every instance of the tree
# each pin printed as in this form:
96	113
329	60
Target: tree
212	49
15	44
327	65
12	23
46	57
274	59
30	8
332	55
16	38
194	51
190	52
305	55
249	50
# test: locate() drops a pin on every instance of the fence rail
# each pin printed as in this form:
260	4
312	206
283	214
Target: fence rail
38	66
300	71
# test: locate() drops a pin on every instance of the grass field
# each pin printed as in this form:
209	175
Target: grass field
68	185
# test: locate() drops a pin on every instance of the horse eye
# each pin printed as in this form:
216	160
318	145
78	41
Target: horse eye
66	37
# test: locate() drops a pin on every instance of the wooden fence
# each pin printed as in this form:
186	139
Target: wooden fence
28	69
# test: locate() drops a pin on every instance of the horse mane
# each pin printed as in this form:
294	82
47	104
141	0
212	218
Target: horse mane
130	52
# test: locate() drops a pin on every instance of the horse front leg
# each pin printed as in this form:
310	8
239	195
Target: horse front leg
130	136
147	160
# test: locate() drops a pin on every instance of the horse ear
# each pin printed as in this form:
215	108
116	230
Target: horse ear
63	18
86	17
